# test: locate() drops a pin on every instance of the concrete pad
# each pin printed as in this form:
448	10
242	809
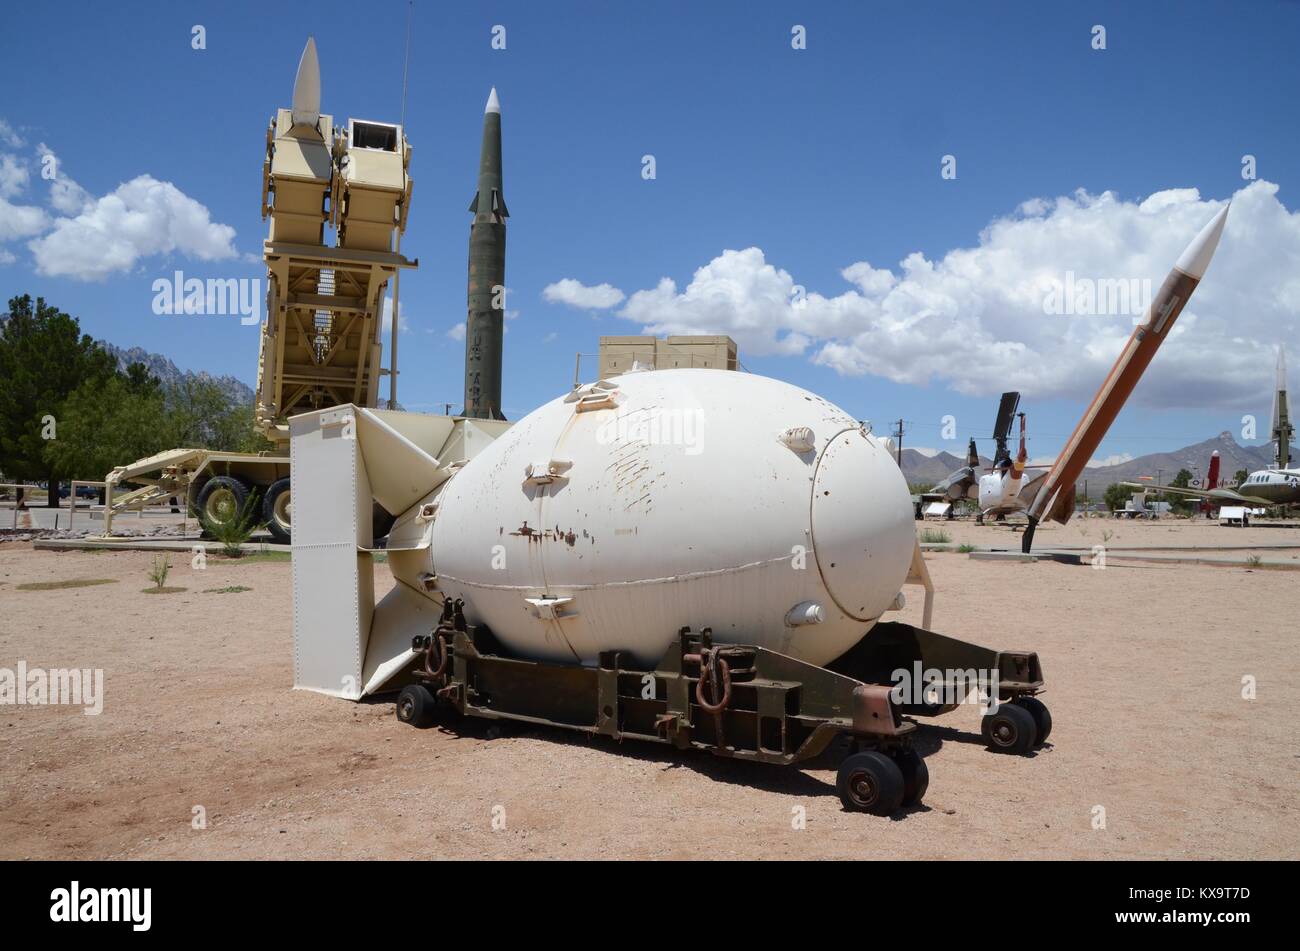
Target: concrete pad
120	543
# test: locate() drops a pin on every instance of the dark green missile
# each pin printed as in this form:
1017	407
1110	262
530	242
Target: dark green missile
485	320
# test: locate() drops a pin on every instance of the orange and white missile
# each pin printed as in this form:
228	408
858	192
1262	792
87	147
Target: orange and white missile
1055	500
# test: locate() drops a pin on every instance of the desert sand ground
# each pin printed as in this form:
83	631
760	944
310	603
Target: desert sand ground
1144	666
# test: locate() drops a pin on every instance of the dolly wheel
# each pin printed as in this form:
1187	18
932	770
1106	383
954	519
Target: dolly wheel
415	705
916	777
1042	718
1010	729
870	782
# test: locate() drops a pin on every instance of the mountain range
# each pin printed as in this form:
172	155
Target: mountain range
922	469
235	390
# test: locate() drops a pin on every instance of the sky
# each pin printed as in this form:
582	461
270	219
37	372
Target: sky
887	204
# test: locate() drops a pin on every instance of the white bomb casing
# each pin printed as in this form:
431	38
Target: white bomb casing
612	517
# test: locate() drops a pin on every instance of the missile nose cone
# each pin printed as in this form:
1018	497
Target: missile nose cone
493	103
306	87
1196	258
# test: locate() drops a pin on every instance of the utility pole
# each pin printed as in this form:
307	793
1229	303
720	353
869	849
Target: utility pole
899	444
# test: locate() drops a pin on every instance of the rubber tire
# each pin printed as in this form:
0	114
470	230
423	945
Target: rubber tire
273	492
238	487
882	774
1042	716
1010	729
916	777
416	705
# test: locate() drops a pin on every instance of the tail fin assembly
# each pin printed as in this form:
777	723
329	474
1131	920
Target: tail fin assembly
347	459
1002	426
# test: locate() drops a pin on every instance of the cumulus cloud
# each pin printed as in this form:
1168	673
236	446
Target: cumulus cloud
89	238
576	294
978	318
13	176
9	137
1117	459
66	196
386	324
20	221
139	218
457	332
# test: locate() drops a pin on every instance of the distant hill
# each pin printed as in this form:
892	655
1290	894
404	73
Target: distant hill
919	468
170	374
1195	458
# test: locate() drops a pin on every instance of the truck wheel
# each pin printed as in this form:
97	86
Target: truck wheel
916	777
222	500
1042	718
1010	729
415	705
870	782
275	510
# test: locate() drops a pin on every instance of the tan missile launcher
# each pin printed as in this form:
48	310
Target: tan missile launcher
320	342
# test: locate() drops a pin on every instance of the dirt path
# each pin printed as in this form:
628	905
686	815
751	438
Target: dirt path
1144	666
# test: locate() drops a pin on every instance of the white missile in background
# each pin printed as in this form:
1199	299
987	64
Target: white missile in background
306	87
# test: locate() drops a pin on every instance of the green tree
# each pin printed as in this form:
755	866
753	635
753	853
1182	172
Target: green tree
108	424
44	357
1241	476
1182	504
1116	496
201	416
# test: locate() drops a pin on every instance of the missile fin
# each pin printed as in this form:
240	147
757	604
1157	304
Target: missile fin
473	205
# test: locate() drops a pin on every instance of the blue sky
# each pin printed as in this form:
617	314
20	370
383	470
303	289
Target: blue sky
821	157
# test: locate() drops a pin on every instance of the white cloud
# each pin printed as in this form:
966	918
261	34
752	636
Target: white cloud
576	294
13	176
16	221
66	195
21	221
1117	459
9	137
139	218
975	318
457	332
387	321
6	257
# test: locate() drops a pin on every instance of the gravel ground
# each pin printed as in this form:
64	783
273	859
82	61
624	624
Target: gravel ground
1144	666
